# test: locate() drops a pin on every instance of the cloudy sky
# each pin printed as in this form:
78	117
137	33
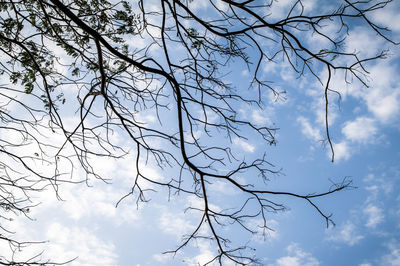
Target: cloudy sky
365	129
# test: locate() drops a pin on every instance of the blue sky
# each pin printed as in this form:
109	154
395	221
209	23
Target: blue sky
365	131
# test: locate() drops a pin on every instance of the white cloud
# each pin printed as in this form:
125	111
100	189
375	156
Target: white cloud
262	234
261	118
245	73
197	5
193	135
160	258
308	130
89	202
381	98
175	223
222	5
373	193
65	243
205	254
164	257
68	242
378	185
270	67
363	41
198	203
347	234
393	257
363	129
81	202
342	151
297	257
309	5
223	188
386	16
209	115
375	215
279	9
384	104
244	145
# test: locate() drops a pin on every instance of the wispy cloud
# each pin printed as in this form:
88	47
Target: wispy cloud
362	129
263	234
364	42
385	17
374	214
244	145
296	257
261	117
68	242
204	255
342	151
380	101
348	234
384	99
174	223
313	133
393	257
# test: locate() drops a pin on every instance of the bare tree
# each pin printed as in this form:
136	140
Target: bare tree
128	59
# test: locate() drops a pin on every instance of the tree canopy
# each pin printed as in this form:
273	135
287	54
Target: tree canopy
151	78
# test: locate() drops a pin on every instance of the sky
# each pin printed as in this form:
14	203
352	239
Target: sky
365	130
